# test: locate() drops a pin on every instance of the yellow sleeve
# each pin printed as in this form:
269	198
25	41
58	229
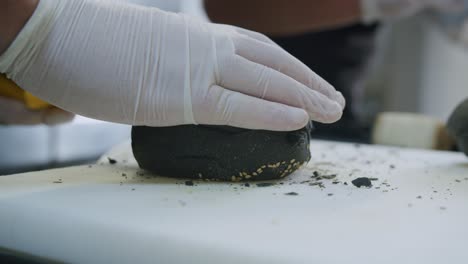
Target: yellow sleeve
9	89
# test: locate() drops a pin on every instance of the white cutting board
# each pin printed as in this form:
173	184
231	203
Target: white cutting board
98	216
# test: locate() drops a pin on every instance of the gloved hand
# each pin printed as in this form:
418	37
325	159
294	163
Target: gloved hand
373	10
142	66
13	112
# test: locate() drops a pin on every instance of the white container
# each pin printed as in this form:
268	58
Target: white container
25	148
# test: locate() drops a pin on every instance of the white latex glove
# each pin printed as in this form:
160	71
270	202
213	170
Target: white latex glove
142	66
373	10
13	112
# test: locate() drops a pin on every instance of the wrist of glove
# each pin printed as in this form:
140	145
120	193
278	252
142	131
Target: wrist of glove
13	112
142	66
374	10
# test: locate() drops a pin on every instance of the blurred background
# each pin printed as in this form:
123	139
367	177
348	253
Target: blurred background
414	65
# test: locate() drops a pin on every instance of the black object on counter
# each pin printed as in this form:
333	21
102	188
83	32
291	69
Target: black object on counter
362	182
220	152
458	126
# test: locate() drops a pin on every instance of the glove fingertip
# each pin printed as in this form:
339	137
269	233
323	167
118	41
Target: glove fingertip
340	100
330	115
295	119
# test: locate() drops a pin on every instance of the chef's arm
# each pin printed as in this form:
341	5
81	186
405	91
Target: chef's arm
13	16
279	17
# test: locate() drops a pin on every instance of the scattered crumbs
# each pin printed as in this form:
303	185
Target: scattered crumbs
133	189
443	208
330	194
140	173
302	182
457	181
377	188
362	182
124	175
90	166
419	197
58	181
112	161
247	184
392	166
345	183
373	179
189	183
385	191
357	145
265	184
291	193
315	174
335	182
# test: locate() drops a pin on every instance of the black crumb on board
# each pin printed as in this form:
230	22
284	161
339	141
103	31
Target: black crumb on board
292	194
265	184
112	161
189	183
362	182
